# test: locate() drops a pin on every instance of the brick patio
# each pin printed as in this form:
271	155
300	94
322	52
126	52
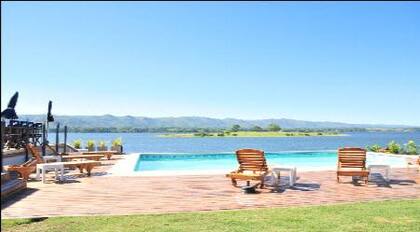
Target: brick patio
103	194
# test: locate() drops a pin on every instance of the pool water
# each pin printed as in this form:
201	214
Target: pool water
320	160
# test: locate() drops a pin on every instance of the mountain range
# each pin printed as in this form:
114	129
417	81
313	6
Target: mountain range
192	122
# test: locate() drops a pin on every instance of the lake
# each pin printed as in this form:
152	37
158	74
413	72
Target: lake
151	143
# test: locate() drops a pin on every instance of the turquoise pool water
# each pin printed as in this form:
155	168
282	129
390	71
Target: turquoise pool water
320	160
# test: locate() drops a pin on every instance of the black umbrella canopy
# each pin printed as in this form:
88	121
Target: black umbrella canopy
10	112
50	118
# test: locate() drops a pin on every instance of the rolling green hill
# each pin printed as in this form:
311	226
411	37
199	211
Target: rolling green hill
110	121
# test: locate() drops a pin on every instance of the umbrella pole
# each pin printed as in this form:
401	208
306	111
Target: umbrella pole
3	127
26	148
65	139
44	139
57	138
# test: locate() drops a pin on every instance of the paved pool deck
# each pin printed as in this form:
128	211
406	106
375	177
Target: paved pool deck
105	194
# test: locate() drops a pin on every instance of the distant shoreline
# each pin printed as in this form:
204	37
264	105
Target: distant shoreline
250	134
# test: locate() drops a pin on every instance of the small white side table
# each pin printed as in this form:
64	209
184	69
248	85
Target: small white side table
292	174
49	167
386	168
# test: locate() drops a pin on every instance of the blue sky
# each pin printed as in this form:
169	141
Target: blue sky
348	62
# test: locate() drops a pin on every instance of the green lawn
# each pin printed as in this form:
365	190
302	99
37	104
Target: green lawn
250	134
403	215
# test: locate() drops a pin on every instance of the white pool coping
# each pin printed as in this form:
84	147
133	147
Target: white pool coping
126	166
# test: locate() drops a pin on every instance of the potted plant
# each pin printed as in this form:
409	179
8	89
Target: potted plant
117	145
77	144
102	146
394	147
90	145
411	148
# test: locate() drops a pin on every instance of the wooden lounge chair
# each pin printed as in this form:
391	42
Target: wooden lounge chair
107	154
80	156
411	161
352	162
95	155
29	166
252	166
86	164
24	169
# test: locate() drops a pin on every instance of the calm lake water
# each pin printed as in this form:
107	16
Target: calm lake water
151	143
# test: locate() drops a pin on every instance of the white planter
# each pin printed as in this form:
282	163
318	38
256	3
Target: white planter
117	149
105	148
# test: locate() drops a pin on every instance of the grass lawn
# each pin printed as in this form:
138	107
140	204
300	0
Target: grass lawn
250	134
402	215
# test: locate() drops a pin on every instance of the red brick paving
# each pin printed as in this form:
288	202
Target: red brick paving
102	194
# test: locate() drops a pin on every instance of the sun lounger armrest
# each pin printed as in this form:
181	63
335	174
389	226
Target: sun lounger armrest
232	173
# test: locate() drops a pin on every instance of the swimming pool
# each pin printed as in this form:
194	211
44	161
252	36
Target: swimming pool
225	162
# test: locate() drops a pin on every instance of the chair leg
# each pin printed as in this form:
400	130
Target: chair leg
338	179
38	173
89	169
62	174
234	183
262	183
43	175
25	175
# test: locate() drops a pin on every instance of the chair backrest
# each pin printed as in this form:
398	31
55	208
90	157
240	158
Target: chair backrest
35	153
30	163
352	157
51	149
251	160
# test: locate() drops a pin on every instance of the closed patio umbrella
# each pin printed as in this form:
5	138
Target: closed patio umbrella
10	112
50	118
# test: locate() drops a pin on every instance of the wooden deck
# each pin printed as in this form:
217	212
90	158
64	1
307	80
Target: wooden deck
103	194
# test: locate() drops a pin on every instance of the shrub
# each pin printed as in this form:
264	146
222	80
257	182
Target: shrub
220	134
319	133
411	148
234	134
90	144
394	147
77	143
202	134
117	142
235	128
374	148
273	127
102	144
